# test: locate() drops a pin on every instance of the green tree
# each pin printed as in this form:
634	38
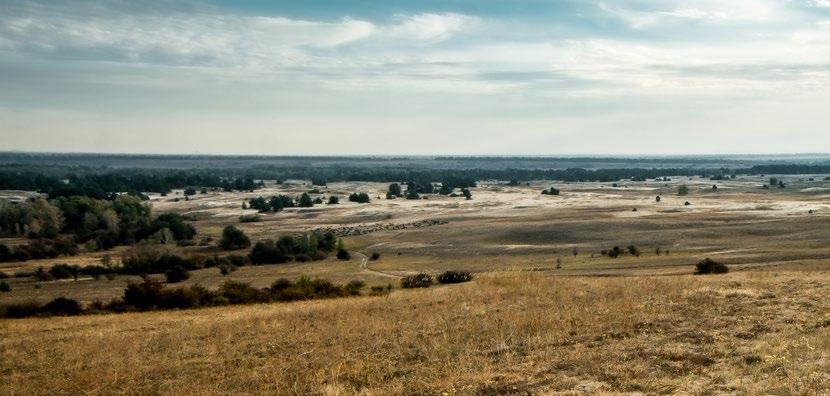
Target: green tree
46	220
233	239
394	190
683	190
305	201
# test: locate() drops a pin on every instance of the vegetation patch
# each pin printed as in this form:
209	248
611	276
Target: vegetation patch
709	266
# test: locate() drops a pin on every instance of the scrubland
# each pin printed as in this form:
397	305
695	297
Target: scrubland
546	313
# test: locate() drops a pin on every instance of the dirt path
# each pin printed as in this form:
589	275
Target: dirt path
364	265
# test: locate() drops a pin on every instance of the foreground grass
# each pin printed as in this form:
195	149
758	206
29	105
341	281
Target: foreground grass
502	334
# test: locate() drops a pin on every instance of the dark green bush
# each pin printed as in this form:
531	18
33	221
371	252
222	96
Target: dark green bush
343	254
22	310
63	307
354	286
242	293
177	274
143	296
416	281
4	287
64	271
233	239
280	285
454	277
96	271
709	266
267	252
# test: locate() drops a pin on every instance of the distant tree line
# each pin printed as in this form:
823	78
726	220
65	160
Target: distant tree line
110	183
103	183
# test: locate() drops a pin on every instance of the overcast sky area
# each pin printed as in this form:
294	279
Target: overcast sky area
532	77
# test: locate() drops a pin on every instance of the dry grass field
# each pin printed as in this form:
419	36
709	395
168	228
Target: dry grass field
523	326
516	333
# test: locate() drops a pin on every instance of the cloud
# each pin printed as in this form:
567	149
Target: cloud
430	27
121	59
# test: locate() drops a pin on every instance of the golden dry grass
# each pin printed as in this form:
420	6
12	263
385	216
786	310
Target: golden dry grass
521	327
505	333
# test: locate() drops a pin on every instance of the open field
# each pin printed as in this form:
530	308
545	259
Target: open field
747	333
507	229
631	324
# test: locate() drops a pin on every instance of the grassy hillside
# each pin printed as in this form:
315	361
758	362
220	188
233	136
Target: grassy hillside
505	333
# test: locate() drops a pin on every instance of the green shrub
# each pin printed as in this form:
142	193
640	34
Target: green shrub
63	307
267	252
226	269
343	254
280	285
709	266
454	277
177	274
4	287
22	310
416	281
242	293
233	239
64	271
143	296
96	271
354	286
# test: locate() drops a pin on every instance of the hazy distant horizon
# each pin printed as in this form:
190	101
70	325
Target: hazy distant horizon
326	77
426	155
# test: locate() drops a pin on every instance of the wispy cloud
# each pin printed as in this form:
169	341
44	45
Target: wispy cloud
517	60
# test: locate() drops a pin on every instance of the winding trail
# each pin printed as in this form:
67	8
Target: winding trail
364	265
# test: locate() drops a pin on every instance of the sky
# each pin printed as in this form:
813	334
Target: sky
464	77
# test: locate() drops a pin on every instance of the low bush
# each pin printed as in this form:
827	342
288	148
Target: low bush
709	266
343	254
242	293
22	310
65	271
96	271
354	286
39	249
416	281
177	274
150	258
3	275
4	287
233	239
375	256
41	275
226	269
267	252
63	307
454	277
